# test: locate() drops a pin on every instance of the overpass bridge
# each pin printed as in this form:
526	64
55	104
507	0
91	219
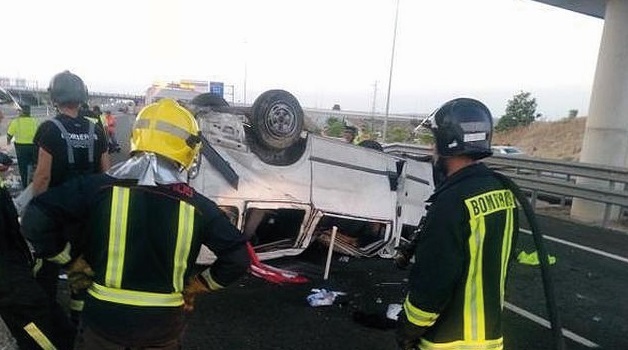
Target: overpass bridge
36	96
606	135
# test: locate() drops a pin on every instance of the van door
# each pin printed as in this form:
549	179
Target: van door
275	228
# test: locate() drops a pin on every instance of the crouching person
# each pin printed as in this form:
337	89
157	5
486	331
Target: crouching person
144	228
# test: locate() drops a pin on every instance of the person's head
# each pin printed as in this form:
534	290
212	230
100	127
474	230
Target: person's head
349	133
462	130
107	112
167	129
67	91
25	109
84	110
96	110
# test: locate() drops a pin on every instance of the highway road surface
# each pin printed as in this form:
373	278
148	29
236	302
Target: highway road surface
590	274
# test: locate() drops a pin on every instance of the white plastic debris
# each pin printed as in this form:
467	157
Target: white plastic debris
322	297
393	311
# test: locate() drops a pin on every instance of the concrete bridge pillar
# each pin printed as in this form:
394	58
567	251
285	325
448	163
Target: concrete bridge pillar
606	136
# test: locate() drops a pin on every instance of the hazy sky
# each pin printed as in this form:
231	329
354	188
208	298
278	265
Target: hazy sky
323	51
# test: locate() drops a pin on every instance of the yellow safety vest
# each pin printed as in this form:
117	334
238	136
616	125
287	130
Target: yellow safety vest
23	129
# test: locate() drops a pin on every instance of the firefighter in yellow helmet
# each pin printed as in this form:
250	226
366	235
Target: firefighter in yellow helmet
145	227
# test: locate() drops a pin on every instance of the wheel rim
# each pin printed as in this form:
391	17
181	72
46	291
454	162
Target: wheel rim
281	120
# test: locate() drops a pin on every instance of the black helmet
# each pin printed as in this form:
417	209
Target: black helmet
462	126
67	87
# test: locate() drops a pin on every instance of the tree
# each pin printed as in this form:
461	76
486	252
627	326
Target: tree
520	111
334	127
399	134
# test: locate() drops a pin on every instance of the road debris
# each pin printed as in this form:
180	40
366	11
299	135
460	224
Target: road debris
322	297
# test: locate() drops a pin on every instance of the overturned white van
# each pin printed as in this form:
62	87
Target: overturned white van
285	188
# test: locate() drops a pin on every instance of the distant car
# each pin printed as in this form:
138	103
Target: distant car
508	150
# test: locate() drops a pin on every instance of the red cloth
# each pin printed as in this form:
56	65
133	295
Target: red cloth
272	274
111	123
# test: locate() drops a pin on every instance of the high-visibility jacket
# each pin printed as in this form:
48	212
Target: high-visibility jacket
142	243
456	286
23	129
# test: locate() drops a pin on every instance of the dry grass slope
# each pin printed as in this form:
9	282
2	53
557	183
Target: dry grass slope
555	140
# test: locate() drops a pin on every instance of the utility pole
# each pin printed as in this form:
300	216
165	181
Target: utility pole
245	69
373	106
392	61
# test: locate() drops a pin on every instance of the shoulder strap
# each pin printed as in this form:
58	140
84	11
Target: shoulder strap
90	145
70	143
66	137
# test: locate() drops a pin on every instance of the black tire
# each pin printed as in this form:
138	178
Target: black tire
277	119
209	100
282	157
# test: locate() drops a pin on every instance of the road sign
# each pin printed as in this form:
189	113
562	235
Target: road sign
217	88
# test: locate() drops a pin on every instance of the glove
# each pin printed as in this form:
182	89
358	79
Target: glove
80	275
196	285
63	257
408	334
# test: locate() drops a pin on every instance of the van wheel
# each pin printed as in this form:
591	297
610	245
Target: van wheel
283	157
209	100
277	119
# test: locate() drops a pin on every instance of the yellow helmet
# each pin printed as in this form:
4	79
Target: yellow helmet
167	129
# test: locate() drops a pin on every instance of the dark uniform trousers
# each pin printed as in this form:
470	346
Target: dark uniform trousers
26	154
87	339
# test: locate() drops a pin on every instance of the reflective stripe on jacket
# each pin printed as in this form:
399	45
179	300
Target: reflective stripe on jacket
113	287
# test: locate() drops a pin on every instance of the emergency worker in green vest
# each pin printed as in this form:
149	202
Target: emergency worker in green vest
144	229
22	131
456	285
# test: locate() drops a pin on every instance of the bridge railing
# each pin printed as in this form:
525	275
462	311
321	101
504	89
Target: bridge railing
599	183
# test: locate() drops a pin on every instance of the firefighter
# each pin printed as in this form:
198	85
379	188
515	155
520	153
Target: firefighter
144	229
69	146
22	130
23	304
456	285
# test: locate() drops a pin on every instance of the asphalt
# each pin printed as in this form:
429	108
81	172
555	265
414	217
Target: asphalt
590	293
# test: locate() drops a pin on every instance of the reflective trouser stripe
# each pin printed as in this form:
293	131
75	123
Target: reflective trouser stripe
185	233
492	344
474	327
134	297
117	236
39	337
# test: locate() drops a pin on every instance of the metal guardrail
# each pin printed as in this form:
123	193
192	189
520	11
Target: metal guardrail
556	177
